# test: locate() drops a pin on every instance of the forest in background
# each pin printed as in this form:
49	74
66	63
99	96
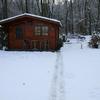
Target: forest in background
77	16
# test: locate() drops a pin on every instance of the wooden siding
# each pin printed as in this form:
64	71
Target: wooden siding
28	24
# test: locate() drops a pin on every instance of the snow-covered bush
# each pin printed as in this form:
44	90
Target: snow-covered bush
60	43
94	41
3	38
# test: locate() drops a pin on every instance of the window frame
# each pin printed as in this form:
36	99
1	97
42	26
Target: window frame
37	32
19	32
43	31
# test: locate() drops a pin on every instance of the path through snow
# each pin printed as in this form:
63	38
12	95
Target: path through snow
58	84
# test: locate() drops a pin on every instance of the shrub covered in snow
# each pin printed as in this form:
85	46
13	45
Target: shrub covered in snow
3	38
60	43
94	41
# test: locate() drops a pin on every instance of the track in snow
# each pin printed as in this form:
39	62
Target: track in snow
58	84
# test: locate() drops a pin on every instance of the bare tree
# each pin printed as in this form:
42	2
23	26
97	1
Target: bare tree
66	16
98	17
4	8
52	8
27	6
19	5
71	17
45	8
86	16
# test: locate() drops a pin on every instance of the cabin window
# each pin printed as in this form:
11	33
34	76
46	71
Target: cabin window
44	30
37	30
19	32
41	30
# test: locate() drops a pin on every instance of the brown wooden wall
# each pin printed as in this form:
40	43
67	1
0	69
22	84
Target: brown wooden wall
27	24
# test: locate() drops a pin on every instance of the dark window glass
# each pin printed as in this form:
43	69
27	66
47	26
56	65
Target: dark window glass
19	32
41	30
44	30
37	30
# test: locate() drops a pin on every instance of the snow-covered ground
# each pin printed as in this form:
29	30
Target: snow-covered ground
72	74
82	72
26	75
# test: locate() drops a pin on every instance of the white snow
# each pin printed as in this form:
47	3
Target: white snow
82	72
72	74
25	75
32	15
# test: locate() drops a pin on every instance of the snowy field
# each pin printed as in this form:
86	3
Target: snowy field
72	74
25	75
82	72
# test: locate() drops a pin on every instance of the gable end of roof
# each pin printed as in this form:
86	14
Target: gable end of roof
30	15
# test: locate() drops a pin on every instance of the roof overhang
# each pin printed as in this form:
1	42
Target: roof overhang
10	19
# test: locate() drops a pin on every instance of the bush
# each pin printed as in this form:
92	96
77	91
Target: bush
59	44
95	41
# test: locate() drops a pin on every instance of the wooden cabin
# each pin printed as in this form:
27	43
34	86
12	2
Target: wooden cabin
31	32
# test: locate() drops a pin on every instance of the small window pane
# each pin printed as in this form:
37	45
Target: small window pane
19	33
37	30
44	30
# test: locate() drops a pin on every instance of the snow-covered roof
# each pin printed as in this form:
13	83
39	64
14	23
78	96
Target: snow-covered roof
31	15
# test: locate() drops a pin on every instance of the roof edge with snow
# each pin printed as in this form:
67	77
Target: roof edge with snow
31	15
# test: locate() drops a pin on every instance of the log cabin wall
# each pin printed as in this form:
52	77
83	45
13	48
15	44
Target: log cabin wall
33	41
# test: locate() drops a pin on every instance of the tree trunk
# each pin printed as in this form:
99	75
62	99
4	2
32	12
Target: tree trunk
86	16
90	32
71	16
98	17
26	8
45	8
4	9
66	17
